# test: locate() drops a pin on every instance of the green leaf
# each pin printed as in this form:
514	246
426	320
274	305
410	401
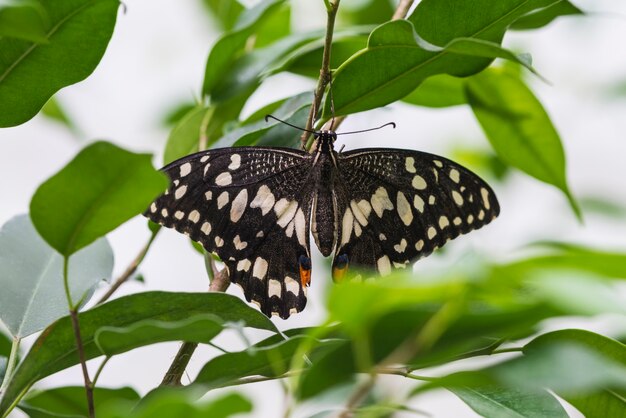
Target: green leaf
225	12
275	27
493	402
518	128
545	16
176	113
230	46
185	136
70	401
53	110
365	12
438	91
5	345
30	74
31	277
175	404
55	349
24	19
401	64
101	188
198	328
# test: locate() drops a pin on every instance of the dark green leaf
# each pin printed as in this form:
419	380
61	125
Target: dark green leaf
492	402
70	401
401	64
275	27
545	16
101	188
31	73
229	47
438	91
24	19
5	345
55	349
518	127
365	12
31	277
197	328
185	136
225	12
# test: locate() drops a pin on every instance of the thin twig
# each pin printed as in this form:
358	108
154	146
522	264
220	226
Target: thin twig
100	368
402	9
11	363
79	342
130	270
358	395
325	74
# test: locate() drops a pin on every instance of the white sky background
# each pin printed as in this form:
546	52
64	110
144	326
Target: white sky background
156	60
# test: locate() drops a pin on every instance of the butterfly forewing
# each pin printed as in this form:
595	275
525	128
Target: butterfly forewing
251	207
395	206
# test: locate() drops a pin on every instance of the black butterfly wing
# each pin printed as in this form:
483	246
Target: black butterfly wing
250	206
395	206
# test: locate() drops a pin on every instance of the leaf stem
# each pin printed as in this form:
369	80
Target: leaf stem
325	74
11	363
130	270
402	10
508	350
79	341
100	368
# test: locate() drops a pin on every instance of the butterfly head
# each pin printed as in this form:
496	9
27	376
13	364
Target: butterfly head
324	140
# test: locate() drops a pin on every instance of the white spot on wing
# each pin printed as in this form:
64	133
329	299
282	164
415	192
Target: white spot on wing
346	226
164	213
235	162
380	201
485	194
418	182
301	227
404	209
219	241
153	207
204	159
418	202
400	247
458	199
438	163
260	268
409	164
274	288
356	211
194	216
206	228
239	244
180	192
222	200
431	232
224	179
179	214
384	265
239	205
443	222
419	245
285	213
185	169
292	285
208	195
264	199
244	265
455	175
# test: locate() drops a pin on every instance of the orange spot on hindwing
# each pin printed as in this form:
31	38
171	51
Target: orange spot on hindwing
340	267
305	270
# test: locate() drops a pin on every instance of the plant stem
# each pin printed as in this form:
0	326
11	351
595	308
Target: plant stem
130	270
176	370
79	341
508	350
402	9
100	368
11	363
325	74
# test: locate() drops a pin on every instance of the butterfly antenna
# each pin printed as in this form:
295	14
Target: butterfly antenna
393	124
288	124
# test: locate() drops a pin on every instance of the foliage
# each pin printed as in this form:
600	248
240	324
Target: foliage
400	325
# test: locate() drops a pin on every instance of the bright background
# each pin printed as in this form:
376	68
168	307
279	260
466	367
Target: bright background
156	60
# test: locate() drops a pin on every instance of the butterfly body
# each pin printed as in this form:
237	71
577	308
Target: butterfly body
372	208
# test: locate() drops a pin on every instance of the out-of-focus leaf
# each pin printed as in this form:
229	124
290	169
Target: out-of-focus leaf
176	404
394	64
101	188
603	206
198	328
70	401
277	26
545	16
24	19
438	91
485	163
230	46
176	113
185	136
518	128
30	74
294	110
493	402
53	110
5	345
225	12
55	349
31	277
366	12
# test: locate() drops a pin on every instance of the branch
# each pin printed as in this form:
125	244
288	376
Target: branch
11	363
402	10
325	74
130	270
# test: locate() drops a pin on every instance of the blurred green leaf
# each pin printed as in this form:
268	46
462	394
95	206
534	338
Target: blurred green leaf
55	349
24	19
176	113
231	45
482	162
438	91
226	12
365	12
5	345
31	277
471	34
545	16
197	328
176	404
518	128
185	136
70	401
32	73
53	110
101	188
277	26
493	402
602	206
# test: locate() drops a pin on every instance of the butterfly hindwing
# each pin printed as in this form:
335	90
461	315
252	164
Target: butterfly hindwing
395	206
251	207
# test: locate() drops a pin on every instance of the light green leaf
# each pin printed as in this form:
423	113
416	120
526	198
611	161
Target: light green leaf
493	402
30	74
185	136
53	110
70	401
394	64
55	349
24	19
518	128
225	12
101	188
438	91
545	16
229	47
197	328
31	277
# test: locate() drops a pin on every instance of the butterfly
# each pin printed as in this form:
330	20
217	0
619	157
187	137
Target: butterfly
372	208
